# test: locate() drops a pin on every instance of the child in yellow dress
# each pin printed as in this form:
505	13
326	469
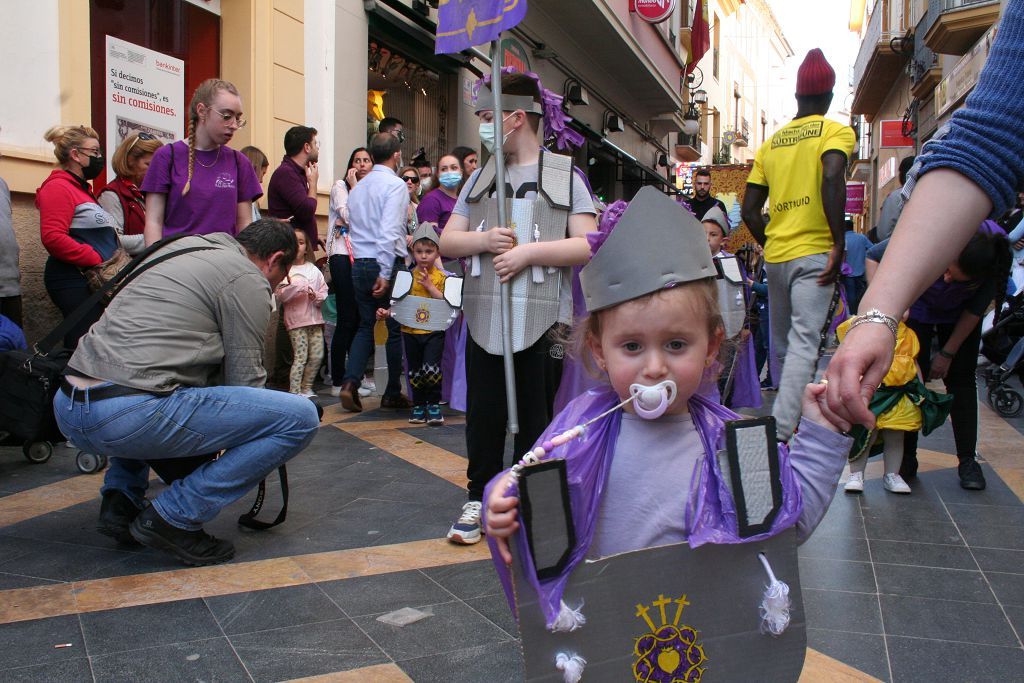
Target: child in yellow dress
901	404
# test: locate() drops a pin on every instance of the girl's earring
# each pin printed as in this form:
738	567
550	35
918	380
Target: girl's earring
707	362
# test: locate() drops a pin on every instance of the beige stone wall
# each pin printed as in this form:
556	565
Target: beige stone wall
40	314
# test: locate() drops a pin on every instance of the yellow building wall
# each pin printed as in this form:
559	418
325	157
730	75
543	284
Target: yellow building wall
262	53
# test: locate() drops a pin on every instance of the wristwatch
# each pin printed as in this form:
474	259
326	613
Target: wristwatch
876	316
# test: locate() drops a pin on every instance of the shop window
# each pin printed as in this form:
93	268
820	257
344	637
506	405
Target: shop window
399	87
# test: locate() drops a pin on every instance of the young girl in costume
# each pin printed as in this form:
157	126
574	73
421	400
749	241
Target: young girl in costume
655	328
902	404
301	294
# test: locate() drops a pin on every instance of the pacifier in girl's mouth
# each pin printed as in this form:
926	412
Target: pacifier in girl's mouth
651	402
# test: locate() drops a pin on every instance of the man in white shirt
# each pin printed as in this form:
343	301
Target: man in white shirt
377	207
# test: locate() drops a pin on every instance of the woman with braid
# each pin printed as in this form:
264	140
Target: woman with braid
202	186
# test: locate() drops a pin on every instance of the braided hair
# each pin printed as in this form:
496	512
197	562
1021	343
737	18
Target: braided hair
204	94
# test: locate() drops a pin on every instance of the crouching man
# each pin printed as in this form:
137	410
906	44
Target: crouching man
174	368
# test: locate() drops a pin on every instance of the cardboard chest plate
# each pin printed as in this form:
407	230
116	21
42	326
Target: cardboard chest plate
672	614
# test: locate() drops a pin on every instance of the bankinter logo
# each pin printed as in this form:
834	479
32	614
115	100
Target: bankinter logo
787	137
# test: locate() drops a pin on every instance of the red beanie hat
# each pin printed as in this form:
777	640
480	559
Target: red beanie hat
816	76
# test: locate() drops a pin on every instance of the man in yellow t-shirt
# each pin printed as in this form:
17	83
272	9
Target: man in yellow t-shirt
801	172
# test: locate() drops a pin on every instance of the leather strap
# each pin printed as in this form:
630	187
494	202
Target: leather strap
249	520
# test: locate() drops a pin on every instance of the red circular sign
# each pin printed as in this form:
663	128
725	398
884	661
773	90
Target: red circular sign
654	11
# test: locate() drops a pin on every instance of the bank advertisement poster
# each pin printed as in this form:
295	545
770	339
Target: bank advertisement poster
145	94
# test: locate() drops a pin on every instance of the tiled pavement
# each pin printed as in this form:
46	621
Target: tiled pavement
927	587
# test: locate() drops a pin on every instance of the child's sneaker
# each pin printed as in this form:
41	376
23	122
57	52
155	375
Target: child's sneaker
466	531
419	415
894	483
434	416
855	484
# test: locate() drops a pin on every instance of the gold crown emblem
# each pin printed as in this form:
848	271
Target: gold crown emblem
668	652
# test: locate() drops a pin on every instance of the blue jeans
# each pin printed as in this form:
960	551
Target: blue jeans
364	277
258	430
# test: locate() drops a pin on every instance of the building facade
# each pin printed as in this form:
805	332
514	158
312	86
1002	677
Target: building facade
336	65
918	61
743	76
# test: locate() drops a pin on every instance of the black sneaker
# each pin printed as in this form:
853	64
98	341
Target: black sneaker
971	476
116	512
196	548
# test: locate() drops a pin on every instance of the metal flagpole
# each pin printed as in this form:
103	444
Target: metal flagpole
506	287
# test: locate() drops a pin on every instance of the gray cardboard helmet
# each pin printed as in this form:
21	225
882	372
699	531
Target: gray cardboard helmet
656	243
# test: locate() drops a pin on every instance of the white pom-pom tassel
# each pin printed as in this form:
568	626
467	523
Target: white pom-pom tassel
775	604
568	619
571	667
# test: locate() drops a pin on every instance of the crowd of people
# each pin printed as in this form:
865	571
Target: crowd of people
177	358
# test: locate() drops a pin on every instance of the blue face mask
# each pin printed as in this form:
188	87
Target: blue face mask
487	133
450	179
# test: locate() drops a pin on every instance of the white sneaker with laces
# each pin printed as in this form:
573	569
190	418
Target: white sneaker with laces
335	391
855	484
367	387
466	531
894	484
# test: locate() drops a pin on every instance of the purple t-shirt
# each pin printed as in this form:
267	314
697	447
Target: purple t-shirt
435	207
221	179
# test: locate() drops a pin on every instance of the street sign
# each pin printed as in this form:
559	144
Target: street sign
652	11
892	134
855	198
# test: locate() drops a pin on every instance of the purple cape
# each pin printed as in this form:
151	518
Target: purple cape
453	365
711	513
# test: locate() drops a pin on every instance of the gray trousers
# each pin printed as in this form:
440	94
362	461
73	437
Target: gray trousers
799	309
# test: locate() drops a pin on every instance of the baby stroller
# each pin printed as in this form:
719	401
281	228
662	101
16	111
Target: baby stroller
1003	344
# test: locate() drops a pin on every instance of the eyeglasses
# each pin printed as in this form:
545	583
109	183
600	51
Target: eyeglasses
226	116
141	136
95	153
414	179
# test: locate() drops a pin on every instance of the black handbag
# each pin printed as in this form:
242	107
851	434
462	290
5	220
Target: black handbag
29	379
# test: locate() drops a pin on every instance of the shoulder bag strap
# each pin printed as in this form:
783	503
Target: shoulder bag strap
123	277
249	518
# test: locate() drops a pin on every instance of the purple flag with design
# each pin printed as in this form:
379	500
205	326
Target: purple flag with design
461	24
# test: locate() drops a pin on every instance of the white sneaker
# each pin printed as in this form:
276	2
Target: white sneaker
367	387
308	394
894	483
335	391
466	531
855	484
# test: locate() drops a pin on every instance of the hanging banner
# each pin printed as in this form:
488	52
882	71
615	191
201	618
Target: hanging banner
855	199
145	94
461	24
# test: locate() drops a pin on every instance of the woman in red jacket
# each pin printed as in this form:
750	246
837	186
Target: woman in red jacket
75	229
121	198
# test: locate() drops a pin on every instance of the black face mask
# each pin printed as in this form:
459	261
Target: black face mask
94	168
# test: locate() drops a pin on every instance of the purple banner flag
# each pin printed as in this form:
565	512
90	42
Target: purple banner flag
461	24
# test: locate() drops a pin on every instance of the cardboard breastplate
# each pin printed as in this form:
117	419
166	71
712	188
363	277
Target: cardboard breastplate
536	292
